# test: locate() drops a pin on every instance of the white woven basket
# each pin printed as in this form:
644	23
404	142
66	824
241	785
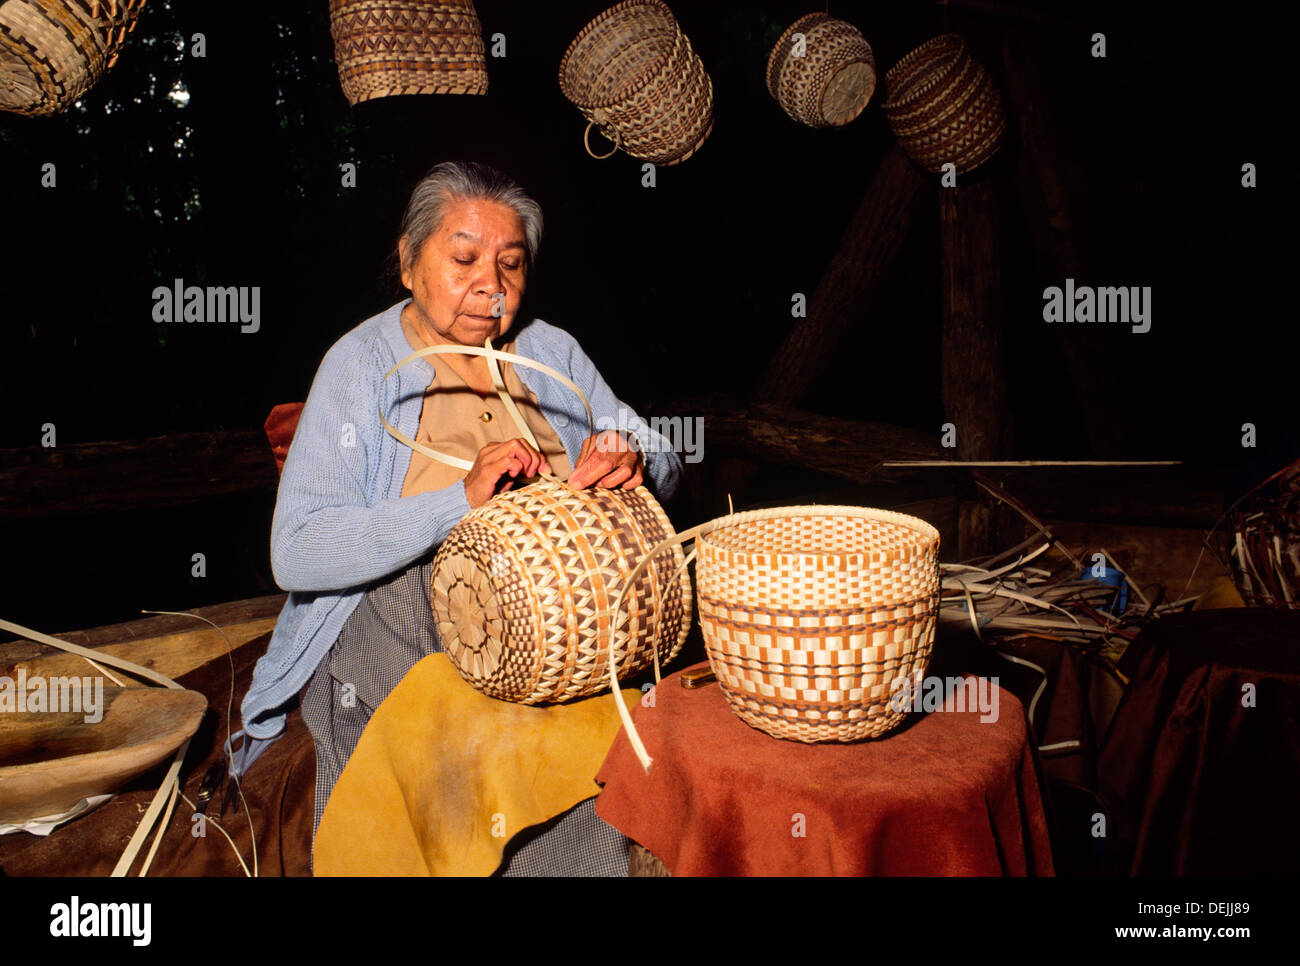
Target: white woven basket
811	613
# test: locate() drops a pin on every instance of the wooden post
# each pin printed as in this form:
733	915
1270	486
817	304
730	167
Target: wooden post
892	205
1052	192
974	381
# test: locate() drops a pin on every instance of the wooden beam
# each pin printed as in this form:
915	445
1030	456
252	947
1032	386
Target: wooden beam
785	436
857	272
167	470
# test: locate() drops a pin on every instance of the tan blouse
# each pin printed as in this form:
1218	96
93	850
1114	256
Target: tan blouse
458	421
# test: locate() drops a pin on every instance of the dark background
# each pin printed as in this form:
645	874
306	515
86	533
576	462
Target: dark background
225	170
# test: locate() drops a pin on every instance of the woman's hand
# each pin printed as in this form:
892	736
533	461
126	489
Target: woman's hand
607	460
498	462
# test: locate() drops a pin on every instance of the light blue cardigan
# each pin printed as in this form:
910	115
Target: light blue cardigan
340	520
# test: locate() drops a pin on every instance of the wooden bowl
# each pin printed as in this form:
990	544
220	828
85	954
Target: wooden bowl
51	761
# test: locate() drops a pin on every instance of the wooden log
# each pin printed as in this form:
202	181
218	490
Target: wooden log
169	644
161	471
874	236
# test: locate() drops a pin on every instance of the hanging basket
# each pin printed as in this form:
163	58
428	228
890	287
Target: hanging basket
943	107
633	73
822	71
52	52
811	613
523	588
389	47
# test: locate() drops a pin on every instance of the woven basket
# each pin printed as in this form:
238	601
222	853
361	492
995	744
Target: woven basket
389	47
632	73
832	81
54	51
943	107
810	614
523	588
1264	545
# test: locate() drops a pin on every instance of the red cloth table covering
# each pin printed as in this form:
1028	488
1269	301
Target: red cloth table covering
947	794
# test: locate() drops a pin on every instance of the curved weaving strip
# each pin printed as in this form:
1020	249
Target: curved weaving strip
508	401
487	353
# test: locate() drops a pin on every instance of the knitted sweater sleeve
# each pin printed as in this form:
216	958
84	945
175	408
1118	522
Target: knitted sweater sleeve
327	534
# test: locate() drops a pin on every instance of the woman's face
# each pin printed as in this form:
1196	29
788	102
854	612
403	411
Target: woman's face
468	279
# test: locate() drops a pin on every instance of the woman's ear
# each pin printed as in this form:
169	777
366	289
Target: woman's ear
404	260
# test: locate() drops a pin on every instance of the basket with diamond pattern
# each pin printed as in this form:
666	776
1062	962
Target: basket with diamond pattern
388	47
522	590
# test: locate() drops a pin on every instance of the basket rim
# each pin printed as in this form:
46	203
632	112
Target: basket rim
919	87
641	82
922	528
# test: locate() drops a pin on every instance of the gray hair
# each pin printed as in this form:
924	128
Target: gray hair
454	181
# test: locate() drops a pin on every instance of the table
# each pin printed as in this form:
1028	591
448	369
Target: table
1200	769
947	794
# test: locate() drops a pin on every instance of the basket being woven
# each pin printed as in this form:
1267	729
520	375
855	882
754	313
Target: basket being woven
828	79
633	73
943	107
811	613
389	47
522	590
52	52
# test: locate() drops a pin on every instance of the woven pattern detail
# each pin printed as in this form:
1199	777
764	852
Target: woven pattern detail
943	107
522	591
389	47
634	74
53	51
810	615
832	83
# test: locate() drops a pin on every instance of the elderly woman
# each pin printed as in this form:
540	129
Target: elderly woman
358	514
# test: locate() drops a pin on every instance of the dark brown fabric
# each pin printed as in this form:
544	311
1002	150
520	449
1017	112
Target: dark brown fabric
1198	783
279	790
945	795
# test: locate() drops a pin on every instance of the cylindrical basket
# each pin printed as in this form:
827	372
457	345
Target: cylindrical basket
633	73
826	78
389	47
523	590
943	107
811	613
52	52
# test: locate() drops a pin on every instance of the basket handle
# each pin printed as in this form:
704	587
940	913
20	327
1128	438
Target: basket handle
491	355
599	118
